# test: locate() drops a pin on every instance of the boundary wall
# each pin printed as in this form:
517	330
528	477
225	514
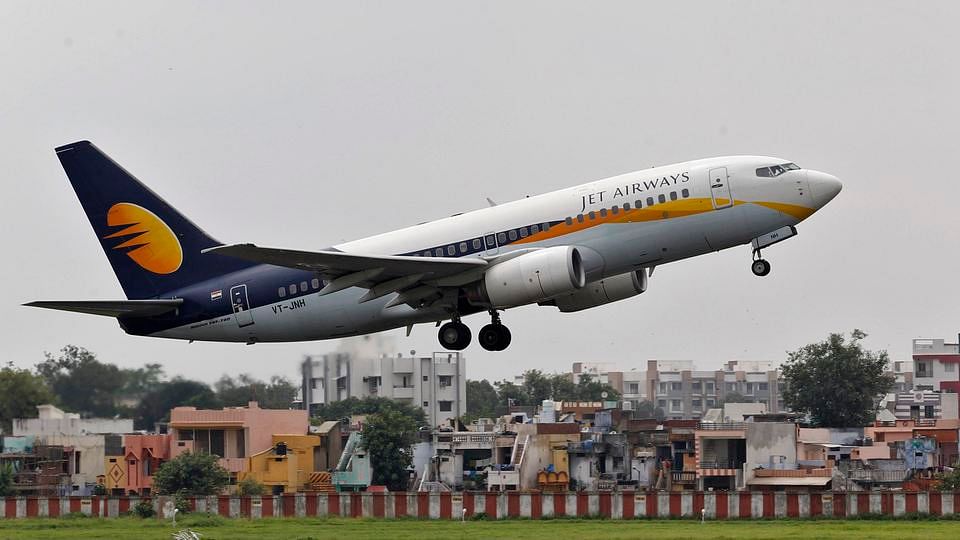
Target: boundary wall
514	504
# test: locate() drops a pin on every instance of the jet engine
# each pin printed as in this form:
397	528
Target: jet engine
531	277
600	292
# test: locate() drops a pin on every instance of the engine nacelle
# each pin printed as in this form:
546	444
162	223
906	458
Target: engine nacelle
533	277
602	291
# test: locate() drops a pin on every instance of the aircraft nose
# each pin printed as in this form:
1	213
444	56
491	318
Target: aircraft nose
823	187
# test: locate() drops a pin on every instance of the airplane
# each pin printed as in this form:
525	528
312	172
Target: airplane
573	249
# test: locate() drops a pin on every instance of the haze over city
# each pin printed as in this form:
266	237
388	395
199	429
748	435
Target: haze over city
307	127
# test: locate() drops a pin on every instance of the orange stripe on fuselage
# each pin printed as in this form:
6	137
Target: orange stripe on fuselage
660	211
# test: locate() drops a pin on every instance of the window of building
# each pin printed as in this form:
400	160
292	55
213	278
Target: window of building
426	403
676	405
240	439
663	388
923	369
282	292
731	387
445	380
477	244
685	192
711	402
676	387
303	286
315	283
634	388
928	411
603	212
763	387
949	367
463	247
662	198
697	403
426	378
710	388
649	201
673	195
662	403
292	288
76	462
512	234
749	388
696	386
445	406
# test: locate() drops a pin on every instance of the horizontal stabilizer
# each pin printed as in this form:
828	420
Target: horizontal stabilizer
113	308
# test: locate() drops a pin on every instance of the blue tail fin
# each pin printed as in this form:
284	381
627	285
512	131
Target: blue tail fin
152	247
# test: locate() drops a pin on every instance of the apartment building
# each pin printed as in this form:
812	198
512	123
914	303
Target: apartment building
435	383
935	365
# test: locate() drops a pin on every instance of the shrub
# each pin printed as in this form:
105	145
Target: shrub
144	509
250	486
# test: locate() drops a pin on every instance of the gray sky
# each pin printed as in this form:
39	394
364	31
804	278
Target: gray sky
304	125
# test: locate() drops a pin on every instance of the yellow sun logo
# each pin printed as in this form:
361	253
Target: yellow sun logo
153	245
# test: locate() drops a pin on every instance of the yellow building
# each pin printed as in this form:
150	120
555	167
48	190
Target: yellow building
286	466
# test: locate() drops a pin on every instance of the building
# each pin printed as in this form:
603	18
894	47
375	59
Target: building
130	468
437	383
53	421
233	433
935	365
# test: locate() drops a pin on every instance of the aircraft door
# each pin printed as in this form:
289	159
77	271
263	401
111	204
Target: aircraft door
490	239
241	305
720	188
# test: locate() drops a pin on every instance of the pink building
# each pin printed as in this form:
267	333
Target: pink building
132	472
233	433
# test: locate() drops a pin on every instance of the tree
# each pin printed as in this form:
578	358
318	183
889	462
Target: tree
647	409
250	486
482	400
949	481
510	394
155	406
389	436
736	397
191	474
536	387
20	393
81	383
6	480
279	393
590	390
368	405
139	382
837	382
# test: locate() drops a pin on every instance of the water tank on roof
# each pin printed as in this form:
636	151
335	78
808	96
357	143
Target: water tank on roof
549	412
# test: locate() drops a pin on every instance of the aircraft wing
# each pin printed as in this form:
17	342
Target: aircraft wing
381	274
113	308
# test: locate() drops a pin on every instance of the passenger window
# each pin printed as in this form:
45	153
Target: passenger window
685	192
615	210
569	221
545	227
502	238
534	229
579	218
626	207
451	250
438	252
640	203
512	234
593	215
282	292
649	201
315	282
426	253
661	198
303	286
603	212
477	244
491	242
463	247
673	195
292	288
523	232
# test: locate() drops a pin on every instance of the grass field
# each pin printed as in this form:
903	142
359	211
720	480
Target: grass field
349	529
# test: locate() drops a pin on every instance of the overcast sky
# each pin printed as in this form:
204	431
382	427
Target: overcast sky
307	124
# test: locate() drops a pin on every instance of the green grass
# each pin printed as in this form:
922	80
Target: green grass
350	529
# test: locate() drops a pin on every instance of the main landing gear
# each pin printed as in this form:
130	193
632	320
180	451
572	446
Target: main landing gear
760	266
456	336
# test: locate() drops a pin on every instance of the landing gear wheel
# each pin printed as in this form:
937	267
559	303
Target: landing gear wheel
494	337
454	336
760	267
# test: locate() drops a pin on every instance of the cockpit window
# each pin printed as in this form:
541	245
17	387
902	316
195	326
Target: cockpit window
776	170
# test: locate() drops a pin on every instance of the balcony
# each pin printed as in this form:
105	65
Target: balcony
721	464
721	426
683	477
403	392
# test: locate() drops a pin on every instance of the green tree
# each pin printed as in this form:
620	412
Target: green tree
278	393
536	387
736	397
6	480
20	393
591	390
191	474
647	409
562	387
949	481
250	486
389	436
156	404
482	400
81	383
509	394
837	382
141	381
368	405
